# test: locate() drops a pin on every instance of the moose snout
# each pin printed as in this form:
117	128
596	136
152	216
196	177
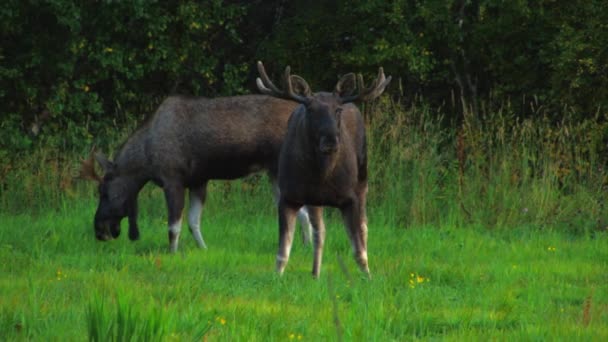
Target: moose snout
328	144
105	231
103	237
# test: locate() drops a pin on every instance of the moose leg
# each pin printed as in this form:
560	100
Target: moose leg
133	229
351	213
305	225
287	222
197	201
318	238
303	216
174	194
363	212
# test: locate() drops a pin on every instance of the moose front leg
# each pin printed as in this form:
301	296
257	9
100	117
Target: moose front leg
174	195
318	238
303	216
133	229
357	232
287	222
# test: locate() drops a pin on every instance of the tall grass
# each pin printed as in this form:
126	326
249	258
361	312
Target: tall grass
493	170
128	320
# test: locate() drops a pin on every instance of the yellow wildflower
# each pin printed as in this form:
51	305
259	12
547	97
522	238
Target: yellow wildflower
416	279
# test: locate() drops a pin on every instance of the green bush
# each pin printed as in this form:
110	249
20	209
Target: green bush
75	71
79	69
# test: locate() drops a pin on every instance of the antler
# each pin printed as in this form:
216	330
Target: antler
87	168
375	89
266	86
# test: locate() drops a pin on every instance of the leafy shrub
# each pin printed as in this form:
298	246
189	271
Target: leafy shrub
80	67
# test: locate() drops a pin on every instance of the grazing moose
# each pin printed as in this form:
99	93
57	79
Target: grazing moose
186	143
323	160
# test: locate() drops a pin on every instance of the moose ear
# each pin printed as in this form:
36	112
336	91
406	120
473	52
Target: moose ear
300	86
346	85
107	165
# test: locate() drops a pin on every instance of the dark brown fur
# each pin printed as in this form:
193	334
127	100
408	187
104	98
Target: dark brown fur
186	143
310	176
323	162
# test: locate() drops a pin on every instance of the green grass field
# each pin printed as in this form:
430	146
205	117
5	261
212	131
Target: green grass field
435	282
493	229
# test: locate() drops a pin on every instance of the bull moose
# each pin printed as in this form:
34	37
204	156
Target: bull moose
186	143
323	160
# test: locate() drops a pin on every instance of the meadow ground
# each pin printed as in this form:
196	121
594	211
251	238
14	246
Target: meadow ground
490	229
435	282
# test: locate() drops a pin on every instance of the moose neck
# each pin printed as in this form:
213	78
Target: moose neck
133	184
131	164
327	164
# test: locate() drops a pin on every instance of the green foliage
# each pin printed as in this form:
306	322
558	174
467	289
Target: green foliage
553	50
73	72
494	170
81	67
94	70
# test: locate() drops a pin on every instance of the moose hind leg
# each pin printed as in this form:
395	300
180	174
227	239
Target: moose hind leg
357	233
197	201
287	222
174	194
305	225
363	213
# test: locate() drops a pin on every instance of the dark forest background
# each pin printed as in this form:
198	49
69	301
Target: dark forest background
72	73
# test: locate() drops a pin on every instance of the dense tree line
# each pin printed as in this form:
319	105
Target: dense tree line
74	70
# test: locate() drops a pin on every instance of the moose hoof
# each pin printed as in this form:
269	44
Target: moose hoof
134	235
281	263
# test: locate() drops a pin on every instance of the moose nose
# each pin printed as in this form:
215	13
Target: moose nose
102	236
328	144
103	232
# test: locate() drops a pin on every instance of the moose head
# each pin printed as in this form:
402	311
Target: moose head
323	110
116	200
